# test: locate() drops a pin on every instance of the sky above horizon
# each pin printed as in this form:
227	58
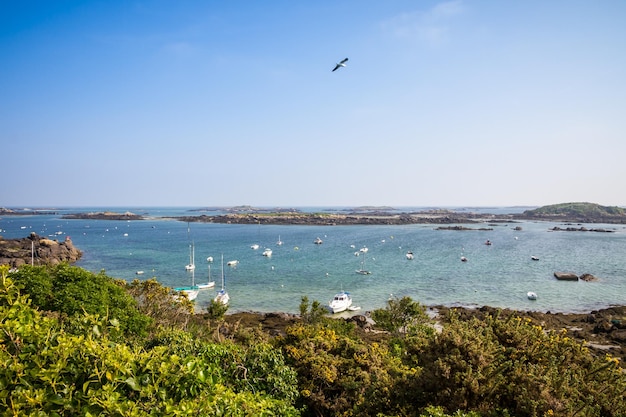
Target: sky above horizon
205	103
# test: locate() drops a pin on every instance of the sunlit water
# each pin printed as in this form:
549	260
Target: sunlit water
499	275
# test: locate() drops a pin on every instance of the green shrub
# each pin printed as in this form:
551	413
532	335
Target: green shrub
73	291
47	371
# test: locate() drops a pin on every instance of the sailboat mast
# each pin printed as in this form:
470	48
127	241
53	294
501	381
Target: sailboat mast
222	272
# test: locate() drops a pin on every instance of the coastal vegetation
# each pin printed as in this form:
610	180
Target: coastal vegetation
77	343
578	212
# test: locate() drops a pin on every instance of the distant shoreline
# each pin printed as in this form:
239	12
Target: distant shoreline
568	213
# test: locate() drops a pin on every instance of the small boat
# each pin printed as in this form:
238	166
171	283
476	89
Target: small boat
279	242
222	296
233	263
340	302
362	270
531	295
267	252
534	258
209	259
191	265
409	255
488	242
254	247
208	284
463	259
318	241
139	272
192	291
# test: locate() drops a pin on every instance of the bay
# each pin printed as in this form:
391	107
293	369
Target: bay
497	275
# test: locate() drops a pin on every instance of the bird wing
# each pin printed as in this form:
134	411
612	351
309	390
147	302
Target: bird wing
336	66
344	60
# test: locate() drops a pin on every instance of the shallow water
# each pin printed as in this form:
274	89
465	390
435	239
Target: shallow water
499	275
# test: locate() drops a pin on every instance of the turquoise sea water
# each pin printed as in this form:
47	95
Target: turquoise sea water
499	275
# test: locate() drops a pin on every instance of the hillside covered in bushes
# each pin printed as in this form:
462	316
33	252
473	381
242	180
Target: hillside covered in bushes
77	343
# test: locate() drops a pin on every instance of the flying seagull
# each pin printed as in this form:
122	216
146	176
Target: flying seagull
340	64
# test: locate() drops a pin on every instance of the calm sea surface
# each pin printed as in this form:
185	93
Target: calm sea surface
499	275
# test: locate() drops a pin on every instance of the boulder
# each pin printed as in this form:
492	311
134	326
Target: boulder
588	277
566	276
38	250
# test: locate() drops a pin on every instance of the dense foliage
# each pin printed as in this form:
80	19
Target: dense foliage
73	291
46	371
577	209
66	349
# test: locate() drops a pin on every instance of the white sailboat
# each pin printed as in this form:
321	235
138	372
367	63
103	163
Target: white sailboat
362	270
209	283
191	265
222	296
192	291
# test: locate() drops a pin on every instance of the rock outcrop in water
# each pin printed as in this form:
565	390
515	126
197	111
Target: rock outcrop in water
38	250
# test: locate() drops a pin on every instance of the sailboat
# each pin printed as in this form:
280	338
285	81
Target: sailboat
191	265
192	291
362	270
279	242
209	283
222	296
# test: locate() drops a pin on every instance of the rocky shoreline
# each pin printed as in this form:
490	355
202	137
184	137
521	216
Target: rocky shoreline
37	250
602	331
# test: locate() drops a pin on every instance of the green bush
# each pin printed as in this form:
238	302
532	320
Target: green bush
73	291
512	366
47	371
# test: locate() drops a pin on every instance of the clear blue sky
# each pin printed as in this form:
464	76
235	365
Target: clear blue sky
199	103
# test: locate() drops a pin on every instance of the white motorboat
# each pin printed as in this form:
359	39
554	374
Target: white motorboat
340	302
267	252
233	263
254	247
531	295
409	255
222	296
318	241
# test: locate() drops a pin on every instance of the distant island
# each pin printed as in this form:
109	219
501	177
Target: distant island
574	213
105	215
565	212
